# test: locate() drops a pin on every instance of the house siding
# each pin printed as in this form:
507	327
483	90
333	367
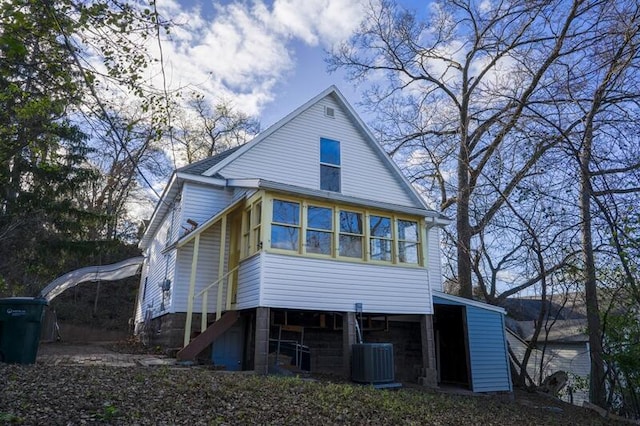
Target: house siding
572	358
487	348
249	278
364	174
158	267
316	284
206	271
433	258
519	347
201	202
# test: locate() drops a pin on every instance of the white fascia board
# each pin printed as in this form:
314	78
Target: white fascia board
202	179
161	207
468	302
244	183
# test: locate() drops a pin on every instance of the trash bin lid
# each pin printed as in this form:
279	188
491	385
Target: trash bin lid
23	301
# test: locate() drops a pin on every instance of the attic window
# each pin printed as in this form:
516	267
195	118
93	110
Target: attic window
329	112
329	165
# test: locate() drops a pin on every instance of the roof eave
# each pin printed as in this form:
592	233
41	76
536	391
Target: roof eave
169	190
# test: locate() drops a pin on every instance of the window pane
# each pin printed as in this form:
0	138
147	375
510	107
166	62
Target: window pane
329	151
320	218
350	222
408	252
380	249
257	214
380	226
319	242
284	237
407	230
329	178
351	246
286	212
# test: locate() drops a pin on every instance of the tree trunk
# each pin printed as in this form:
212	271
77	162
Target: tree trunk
463	226
597	391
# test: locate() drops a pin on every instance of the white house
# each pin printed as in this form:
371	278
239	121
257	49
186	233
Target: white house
289	241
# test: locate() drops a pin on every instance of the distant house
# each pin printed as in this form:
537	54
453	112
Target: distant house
279	252
563	344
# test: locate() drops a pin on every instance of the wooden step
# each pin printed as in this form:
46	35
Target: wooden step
204	339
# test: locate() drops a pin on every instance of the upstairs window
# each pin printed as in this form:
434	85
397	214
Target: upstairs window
285	228
329	165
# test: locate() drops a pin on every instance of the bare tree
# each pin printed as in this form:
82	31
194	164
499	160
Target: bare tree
456	103
487	106
204	128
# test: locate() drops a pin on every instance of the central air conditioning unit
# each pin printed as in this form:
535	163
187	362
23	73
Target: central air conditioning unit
372	363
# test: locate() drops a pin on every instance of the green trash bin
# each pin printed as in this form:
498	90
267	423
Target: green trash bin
20	322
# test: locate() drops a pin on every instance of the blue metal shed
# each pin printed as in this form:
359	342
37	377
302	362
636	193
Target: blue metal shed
471	334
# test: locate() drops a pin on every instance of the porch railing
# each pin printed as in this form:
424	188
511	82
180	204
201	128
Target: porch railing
225	281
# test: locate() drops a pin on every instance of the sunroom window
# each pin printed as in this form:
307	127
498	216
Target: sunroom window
319	230
351	231
285	228
329	165
408	241
380	238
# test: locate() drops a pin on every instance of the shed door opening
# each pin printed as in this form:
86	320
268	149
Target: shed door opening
451	345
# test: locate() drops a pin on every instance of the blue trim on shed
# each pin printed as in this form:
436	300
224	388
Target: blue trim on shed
488	353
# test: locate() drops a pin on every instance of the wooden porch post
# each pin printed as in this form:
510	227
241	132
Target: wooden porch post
223	241
192	290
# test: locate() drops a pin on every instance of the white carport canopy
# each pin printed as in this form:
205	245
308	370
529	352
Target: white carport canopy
116	271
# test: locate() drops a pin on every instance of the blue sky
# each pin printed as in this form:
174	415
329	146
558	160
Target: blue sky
265	56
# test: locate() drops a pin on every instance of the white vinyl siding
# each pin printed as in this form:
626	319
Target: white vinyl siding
364	174
206	271
318	284
433	258
160	266
200	202
519	347
249	277
572	358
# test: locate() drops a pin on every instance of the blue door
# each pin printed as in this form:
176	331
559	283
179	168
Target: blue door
227	349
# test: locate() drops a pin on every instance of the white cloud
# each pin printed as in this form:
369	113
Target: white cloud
246	48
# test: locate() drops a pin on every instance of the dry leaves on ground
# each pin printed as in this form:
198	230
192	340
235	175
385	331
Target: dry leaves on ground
46	394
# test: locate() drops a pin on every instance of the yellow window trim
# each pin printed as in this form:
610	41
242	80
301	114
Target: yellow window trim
267	220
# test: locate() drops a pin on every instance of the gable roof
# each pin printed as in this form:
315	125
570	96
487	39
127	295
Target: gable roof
207	171
559	331
199	167
355	119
